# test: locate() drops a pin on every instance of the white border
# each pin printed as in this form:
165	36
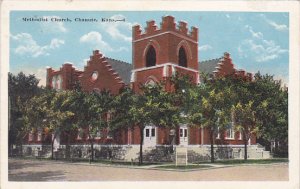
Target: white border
266	6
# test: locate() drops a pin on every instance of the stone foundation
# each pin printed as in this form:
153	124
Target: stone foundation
159	153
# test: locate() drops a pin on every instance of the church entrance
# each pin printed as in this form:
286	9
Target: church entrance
183	135
150	136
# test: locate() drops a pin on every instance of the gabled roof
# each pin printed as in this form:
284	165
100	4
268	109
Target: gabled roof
209	66
122	68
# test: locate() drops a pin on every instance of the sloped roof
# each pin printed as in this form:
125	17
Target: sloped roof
208	66
123	69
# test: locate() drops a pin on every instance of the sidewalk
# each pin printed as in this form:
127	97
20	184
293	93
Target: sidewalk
155	166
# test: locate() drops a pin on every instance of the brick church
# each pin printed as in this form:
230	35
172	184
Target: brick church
157	53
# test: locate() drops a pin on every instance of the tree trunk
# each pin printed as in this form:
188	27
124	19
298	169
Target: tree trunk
212	154
68	147
92	148
52	150
245	149
52	146
276	146
141	145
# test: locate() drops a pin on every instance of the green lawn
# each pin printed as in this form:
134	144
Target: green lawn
183	167
102	161
160	165
249	161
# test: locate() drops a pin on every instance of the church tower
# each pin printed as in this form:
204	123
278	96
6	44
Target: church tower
158	53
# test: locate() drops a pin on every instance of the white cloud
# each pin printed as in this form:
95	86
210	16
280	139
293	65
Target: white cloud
204	48
276	26
258	35
279	27
260	49
27	45
53	27
263	50
120	30
95	38
55	43
80	64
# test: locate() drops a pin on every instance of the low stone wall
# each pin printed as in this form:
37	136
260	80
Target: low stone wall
36	150
202	153
159	153
116	152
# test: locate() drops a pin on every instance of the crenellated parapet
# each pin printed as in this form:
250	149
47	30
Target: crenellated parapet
167	25
64	78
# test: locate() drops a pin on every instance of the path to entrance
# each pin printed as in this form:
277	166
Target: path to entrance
44	170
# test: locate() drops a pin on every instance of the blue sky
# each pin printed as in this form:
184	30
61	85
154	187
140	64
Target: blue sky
256	41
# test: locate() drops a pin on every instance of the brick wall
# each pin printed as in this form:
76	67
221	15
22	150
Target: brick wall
107	79
68	74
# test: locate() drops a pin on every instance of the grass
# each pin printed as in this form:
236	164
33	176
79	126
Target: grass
249	161
183	167
190	166
86	160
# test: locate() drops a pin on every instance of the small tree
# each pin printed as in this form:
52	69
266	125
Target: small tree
93	112
153	106
245	121
131	110
210	108
63	118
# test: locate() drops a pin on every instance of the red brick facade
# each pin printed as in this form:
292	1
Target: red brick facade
226	67
167	42
67	74
157	54
107	78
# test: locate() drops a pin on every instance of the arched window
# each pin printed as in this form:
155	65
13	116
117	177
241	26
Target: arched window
151	82
182	60
58	82
151	57
54	82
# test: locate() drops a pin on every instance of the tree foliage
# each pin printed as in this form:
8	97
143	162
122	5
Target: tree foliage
21	88
257	108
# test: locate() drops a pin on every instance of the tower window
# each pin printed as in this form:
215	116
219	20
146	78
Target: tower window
182	60
151	57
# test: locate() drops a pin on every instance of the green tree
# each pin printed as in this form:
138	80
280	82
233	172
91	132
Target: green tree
274	115
210	104
63	118
245	121
132	110
93	110
39	115
262	105
21	88
153	106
